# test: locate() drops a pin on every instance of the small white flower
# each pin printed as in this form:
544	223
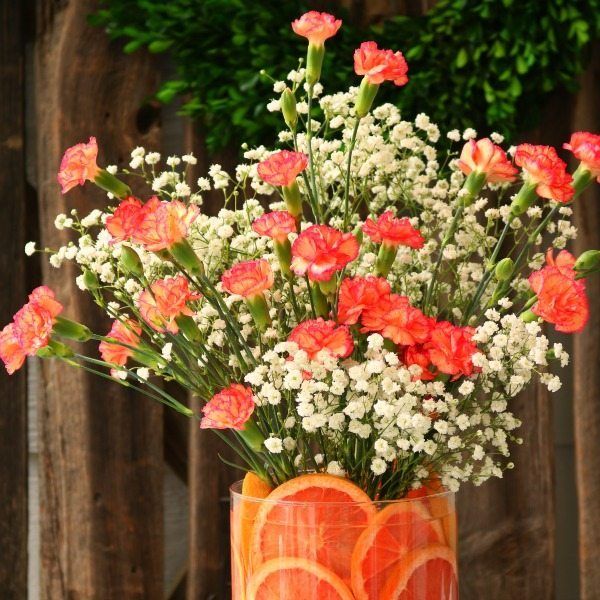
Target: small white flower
30	248
453	135
143	373
190	159
334	468
173	161
166	351
274	445
378	466
469	134
152	158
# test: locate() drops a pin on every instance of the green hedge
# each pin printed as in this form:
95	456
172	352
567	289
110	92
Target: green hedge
481	63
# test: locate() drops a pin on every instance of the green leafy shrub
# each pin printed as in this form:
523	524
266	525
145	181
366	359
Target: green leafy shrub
482	63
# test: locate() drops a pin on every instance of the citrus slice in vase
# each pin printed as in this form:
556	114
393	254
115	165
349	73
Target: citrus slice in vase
395	531
317	516
296	579
427	573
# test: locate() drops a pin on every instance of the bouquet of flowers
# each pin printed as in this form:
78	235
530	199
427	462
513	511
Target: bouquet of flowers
365	304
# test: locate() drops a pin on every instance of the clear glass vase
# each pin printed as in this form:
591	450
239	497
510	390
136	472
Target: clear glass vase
332	550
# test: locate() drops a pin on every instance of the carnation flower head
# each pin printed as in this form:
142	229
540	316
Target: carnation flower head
229	409
316	26
126	219
585	147
561	298
483	156
277	225
126	331
163	224
320	251
397	320
282	168
34	322
543	167
249	278
379	65
11	353
418	355
315	335
78	164
451	349
358	294
166	300
392	231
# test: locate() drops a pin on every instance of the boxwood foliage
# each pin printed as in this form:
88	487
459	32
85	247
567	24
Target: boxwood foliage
481	63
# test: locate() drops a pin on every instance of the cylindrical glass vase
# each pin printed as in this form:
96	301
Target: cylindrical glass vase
343	550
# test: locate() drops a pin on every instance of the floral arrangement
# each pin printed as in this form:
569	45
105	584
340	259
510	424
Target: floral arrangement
362	305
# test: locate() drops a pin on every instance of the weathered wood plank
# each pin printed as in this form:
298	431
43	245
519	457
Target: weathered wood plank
101	462
586	385
506	539
13	390
209	480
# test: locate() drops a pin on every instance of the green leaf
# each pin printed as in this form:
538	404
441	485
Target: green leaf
462	58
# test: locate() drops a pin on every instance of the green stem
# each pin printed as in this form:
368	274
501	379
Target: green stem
348	167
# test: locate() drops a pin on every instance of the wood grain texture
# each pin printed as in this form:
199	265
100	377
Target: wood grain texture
506	527
209	480
586	353
101	461
13	390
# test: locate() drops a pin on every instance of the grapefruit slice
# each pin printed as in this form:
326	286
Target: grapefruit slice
440	507
292	578
324	532
242	520
396	530
424	574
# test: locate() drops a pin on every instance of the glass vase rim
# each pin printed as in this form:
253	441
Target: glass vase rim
235	493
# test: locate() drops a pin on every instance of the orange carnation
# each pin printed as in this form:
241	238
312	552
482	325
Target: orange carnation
277	225
126	219
127	332
31	328
315	335
249	278
586	148
320	251
561	299
418	355
379	65
163	224
359	294
451	350
397	320
393	231
12	354
546	170
229	409
316	26
165	301
282	168
78	164
483	156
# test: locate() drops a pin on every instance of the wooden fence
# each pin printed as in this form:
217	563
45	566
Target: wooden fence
103	452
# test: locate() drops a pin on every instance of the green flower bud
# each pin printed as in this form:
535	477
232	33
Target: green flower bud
90	280
130	261
385	259
288	108
257	305
55	349
110	183
71	330
184	254
504	269
524	199
588	261
283	251
293	199
252	436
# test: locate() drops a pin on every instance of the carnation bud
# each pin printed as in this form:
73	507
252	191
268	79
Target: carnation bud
109	183
184	254
288	108
252	435
71	330
581	179
293	199
130	261
523	200
55	349
90	280
257	305
588	261
504	269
